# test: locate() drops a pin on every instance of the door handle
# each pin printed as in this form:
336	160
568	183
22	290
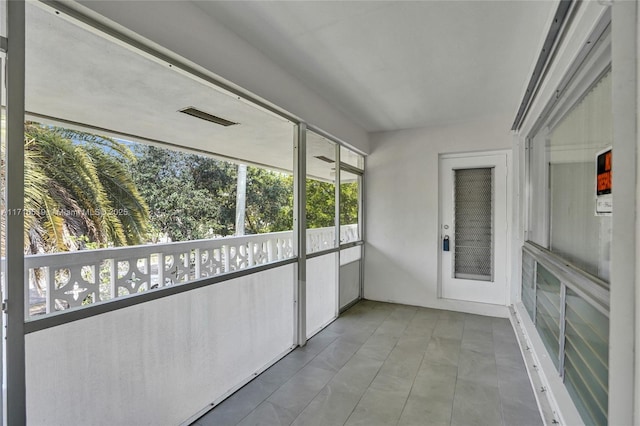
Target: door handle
445	243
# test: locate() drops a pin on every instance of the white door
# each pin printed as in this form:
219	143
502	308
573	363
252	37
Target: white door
473	228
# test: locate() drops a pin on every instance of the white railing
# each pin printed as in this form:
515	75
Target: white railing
65	280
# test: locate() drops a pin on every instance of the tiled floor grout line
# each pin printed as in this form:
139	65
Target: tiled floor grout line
497	381
377	372
332	377
424	354
416	375
358	330
455	387
381	365
493	335
495	361
314	397
297	371
311	400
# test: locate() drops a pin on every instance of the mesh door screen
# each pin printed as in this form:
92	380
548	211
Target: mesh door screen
473	212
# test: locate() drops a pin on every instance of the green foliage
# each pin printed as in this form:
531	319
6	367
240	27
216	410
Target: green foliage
78	189
269	201
163	192
194	197
190	197
321	204
348	203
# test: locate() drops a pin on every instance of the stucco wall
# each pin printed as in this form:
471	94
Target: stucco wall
160	362
402	207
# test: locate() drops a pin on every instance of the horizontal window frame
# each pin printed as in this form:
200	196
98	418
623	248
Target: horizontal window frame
351	169
322	252
341	143
345	246
47	119
336	249
591	288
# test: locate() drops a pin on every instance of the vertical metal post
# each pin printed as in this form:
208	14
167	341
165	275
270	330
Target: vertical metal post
563	313
15	291
361	230
338	238
526	202
624	331
3	46
547	185
336	241
535	290
299	229
2	266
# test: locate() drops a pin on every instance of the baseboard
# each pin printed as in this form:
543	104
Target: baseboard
484	309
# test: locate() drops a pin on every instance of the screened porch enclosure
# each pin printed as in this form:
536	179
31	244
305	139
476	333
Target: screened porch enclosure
318	213
178	165
168	217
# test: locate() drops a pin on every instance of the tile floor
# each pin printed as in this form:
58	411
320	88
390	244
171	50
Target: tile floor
388	364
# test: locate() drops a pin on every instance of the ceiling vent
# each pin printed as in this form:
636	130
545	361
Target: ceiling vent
206	116
325	159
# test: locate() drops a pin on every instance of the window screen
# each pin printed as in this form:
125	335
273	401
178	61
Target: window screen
474	224
577	233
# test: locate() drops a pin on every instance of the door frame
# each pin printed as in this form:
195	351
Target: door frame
509	297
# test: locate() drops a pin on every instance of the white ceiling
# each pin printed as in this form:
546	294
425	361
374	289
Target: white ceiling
76	75
385	65
78	78
391	65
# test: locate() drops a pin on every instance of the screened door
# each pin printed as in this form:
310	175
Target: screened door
473	229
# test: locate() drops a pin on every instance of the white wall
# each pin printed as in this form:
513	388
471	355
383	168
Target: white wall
159	363
401	264
182	28
322	292
349	275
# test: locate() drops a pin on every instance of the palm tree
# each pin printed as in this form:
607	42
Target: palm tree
78	190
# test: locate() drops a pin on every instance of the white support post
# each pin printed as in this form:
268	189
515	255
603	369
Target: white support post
16	413
336	232
337	201
624	374
361	231
299	230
